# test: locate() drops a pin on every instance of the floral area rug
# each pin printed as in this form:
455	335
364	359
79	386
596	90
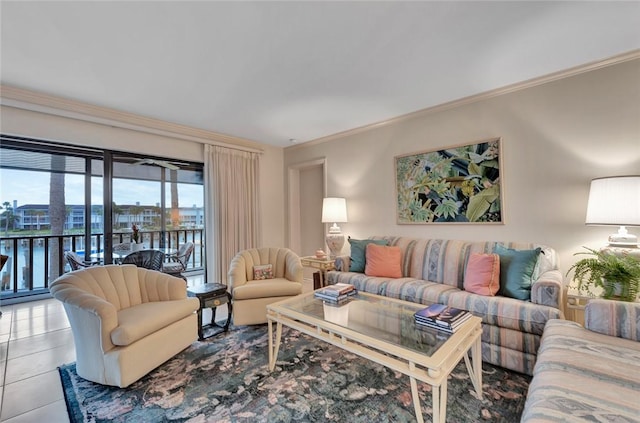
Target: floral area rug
225	379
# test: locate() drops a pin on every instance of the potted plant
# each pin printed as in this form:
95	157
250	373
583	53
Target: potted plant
136	241
618	275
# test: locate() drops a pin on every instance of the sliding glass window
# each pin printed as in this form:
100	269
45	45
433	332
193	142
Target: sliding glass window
54	198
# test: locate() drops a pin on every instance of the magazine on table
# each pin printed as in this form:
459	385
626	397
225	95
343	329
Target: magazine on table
333	298
336	290
442	316
447	329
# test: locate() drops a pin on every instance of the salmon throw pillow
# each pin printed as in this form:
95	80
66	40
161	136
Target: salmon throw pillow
483	274
383	261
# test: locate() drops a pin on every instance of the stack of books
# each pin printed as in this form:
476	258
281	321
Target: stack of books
336	294
441	317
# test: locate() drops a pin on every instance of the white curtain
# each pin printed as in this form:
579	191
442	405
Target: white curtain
232	209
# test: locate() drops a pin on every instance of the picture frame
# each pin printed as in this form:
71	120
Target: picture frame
459	184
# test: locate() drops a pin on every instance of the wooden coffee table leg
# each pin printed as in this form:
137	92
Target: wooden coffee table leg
273	350
439	398
442	417
416	399
475	366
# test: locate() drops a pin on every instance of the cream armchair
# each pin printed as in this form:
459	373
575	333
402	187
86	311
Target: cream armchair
125	320
251	297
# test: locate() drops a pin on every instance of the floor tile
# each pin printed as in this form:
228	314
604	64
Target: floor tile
38	313
36	308
4	349
5	325
29	345
37	363
30	394
52	413
38	328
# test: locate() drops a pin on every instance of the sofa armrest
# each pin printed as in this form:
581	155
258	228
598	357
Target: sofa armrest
294	270
91	318
614	318
237	274
548	290
343	263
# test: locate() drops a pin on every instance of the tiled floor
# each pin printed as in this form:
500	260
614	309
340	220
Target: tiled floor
35	338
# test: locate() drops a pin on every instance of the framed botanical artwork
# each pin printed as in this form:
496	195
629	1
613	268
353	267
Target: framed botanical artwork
460	184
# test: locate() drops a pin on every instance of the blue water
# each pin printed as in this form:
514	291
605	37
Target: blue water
38	268
6	275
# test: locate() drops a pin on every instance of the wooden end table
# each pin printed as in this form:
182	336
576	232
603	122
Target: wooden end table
323	265
211	295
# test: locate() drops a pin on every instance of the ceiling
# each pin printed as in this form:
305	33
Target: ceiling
274	71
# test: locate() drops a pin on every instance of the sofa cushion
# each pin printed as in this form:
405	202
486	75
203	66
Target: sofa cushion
134	323
503	312
516	271
614	318
482	275
277	287
581	375
358	252
383	261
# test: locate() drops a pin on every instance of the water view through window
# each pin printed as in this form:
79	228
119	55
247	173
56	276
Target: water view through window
53	200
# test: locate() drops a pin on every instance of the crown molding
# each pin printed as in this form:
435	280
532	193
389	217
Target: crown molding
44	103
577	70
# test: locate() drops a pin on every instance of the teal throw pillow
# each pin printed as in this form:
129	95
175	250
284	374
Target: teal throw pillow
516	271
358	250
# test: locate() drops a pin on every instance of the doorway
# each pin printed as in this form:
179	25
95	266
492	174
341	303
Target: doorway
307	188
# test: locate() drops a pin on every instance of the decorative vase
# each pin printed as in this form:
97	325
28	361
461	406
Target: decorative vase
335	242
136	247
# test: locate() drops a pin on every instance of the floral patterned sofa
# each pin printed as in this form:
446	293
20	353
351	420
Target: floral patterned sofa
433	271
591	373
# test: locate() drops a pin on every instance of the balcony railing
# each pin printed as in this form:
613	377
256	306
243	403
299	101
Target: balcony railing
35	261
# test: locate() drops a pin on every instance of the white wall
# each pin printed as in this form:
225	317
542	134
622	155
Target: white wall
556	137
72	131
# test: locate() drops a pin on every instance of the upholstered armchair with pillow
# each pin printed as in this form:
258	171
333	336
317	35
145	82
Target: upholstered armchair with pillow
126	320
261	276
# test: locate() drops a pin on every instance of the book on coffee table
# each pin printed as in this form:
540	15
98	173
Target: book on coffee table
441	316
334	298
337	289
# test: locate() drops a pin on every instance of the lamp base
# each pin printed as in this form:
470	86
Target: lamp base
335	242
623	239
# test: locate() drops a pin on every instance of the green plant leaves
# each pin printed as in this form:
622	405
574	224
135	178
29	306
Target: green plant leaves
606	270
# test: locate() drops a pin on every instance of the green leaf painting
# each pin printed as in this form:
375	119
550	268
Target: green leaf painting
458	184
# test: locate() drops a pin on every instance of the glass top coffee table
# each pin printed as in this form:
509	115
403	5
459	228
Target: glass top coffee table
383	330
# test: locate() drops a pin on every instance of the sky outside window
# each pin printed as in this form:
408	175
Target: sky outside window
30	187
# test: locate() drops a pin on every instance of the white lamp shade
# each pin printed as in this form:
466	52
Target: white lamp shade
334	210
614	201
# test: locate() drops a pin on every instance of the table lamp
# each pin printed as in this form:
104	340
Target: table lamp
615	201
334	210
